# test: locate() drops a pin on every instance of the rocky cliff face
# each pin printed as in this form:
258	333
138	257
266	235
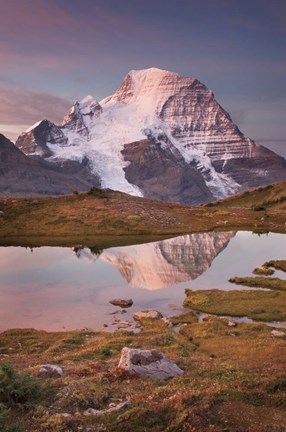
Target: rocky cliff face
21	175
164	263
161	135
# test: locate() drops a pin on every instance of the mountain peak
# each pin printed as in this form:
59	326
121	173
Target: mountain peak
152	85
88	100
150	72
162	135
87	108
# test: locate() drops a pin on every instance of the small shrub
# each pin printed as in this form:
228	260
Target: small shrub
279	385
164	340
106	351
4	427
47	422
16	387
97	193
259	207
184	350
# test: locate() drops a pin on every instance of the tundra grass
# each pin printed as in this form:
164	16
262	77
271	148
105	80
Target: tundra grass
49	220
244	371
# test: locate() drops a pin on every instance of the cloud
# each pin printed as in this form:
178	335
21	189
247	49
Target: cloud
20	108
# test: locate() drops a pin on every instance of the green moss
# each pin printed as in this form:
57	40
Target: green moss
186	318
258	305
196	299
260	282
106	351
135	218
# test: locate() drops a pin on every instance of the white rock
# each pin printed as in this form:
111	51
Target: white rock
278	333
147	364
167	321
231	323
50	369
147	314
66	415
94	412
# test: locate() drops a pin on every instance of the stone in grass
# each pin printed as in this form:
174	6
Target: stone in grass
51	370
167	321
229	322
118	407
124	303
278	333
147	314
147	364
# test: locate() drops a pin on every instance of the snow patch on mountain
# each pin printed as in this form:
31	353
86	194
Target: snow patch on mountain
128	116
33	126
178	113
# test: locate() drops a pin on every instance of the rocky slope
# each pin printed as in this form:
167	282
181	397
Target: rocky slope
161	135
21	175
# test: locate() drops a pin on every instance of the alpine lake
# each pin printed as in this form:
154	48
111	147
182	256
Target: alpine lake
61	288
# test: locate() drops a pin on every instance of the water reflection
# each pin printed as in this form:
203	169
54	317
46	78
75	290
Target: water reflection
164	263
54	288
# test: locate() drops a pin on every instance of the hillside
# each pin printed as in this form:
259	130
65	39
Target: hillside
104	215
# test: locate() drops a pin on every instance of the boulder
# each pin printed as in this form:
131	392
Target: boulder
122	302
278	333
94	412
147	364
147	314
51	370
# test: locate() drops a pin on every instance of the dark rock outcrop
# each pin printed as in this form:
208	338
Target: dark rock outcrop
21	175
163	174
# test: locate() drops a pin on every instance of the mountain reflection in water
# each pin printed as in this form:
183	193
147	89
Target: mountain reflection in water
51	289
163	263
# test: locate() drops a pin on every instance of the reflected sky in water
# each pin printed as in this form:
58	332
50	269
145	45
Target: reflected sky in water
55	288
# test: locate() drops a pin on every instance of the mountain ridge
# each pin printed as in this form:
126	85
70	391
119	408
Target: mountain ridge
21	175
178	123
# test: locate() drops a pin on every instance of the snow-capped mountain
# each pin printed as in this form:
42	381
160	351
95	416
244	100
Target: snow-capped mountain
164	263
161	135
